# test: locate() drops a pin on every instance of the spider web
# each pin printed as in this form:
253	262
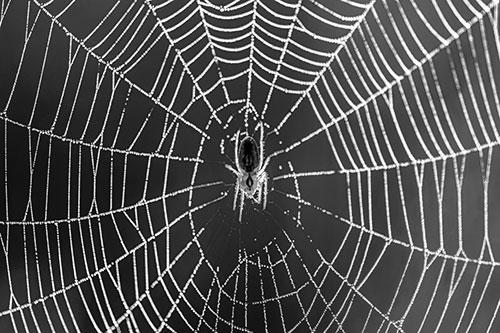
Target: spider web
380	121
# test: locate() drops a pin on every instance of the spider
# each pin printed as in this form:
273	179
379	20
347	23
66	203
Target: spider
251	176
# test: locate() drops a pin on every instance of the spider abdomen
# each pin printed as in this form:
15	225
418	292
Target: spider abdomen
248	154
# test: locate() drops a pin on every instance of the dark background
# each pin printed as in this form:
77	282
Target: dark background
93	224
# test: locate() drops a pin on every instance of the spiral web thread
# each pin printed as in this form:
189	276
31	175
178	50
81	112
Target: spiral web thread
403	96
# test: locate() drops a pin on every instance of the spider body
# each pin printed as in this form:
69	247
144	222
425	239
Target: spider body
251	177
249	154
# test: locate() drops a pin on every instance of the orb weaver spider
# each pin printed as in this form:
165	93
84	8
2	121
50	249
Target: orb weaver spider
250	171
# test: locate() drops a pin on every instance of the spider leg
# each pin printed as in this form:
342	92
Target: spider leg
242	202
264	185
236	148
261	144
236	192
264	166
259	195
230	168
